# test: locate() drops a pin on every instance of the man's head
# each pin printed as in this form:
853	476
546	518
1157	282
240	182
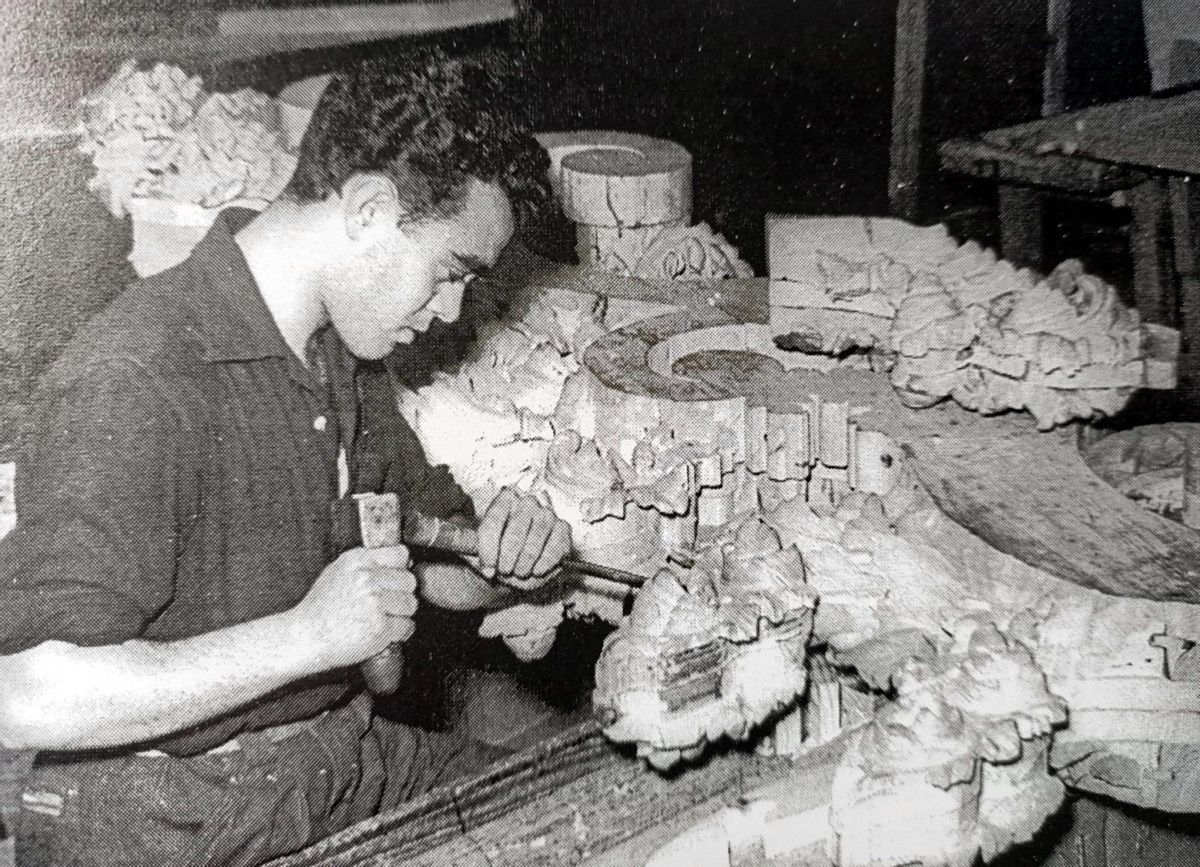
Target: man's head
425	166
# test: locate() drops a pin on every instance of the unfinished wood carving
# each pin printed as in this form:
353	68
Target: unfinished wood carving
630	197
159	134
172	155
619	189
489	421
1157	466
956	322
492	423
708	652
784	486
954	769
896	581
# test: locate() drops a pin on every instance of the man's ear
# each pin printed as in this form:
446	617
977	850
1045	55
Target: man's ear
369	202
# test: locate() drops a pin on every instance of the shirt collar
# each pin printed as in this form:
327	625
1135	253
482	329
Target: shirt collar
234	320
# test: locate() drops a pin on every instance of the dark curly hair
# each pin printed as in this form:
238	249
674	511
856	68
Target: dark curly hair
431	123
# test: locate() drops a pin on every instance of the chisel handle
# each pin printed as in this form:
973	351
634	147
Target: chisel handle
383	671
422	531
425	532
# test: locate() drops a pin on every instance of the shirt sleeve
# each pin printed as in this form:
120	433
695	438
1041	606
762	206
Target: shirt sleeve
91	559
391	458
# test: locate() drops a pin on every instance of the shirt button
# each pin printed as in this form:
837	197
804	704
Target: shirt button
320	422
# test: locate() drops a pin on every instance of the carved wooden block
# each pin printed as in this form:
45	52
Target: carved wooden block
710	652
705	420
620	189
173	155
630	197
956	322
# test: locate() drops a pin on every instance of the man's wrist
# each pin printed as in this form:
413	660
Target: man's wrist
303	648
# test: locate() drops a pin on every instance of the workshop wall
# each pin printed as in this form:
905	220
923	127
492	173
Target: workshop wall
785	106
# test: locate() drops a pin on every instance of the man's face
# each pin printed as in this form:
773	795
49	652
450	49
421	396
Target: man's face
400	277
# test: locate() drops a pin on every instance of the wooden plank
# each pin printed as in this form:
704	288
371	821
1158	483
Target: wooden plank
450	812
992	162
244	33
1152	282
1022	231
908	90
812	772
1055	514
1148	132
1095	120
619	810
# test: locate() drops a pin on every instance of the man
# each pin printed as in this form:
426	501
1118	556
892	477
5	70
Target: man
181	637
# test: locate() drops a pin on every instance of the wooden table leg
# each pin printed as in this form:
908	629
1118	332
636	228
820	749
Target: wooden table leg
1022	235
1185	208
904	166
1152	281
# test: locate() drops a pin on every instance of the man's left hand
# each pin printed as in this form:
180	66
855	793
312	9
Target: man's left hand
521	540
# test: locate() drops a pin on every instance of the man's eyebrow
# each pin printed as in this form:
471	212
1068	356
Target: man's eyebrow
472	264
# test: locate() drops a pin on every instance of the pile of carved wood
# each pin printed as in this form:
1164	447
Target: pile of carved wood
494	423
995	681
1000	682
957	322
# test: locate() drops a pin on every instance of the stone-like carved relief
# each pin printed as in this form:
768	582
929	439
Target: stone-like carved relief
808	539
956	322
708	652
172	155
683	253
158	134
1157	466
630	197
493	423
956	766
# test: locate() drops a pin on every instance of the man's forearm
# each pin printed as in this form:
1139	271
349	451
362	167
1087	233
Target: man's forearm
458	587
61	696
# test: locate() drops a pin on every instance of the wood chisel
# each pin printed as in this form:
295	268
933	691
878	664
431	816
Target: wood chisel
381	523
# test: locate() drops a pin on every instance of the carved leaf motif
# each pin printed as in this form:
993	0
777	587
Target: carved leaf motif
693	253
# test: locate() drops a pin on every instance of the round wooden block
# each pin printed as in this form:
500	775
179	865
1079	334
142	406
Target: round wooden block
619	179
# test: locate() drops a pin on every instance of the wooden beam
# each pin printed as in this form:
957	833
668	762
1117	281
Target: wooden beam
255	32
982	159
1054	73
908	86
1185	230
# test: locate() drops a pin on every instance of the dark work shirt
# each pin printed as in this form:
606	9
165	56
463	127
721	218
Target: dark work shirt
177	477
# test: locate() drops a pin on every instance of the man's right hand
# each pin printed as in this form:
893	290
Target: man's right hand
360	603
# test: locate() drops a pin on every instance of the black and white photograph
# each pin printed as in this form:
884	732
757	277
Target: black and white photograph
615	433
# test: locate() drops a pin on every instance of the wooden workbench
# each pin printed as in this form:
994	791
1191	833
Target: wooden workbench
1139	153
